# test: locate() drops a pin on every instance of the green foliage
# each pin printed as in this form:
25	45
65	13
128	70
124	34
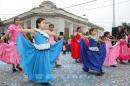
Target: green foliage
66	36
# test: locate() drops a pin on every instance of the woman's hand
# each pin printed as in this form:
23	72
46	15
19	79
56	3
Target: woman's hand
2	38
26	30
20	30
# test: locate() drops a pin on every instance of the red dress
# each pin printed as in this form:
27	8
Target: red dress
87	43
75	46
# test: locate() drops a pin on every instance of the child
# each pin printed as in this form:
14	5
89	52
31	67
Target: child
38	59
52	39
64	48
124	54
75	45
92	57
112	51
8	52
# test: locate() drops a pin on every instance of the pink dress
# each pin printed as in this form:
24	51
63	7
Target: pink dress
52	40
124	50
112	53
8	52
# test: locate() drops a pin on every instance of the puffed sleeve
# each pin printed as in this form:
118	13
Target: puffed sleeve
10	28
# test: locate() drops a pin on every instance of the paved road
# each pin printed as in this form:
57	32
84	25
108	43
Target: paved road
70	74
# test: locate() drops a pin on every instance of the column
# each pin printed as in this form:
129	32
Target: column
61	25
71	29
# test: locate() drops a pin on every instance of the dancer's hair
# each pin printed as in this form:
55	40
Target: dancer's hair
16	18
106	33
122	33
87	33
39	20
90	31
78	28
51	25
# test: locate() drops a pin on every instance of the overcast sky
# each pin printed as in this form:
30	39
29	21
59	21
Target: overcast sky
98	11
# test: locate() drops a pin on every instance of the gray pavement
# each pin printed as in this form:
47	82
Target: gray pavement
70	74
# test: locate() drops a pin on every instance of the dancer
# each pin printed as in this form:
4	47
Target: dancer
124	54
38	59
93	57
75	45
52	39
112	51
8	52
86	39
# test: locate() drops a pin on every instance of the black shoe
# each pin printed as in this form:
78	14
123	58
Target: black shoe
77	61
100	74
57	65
113	66
128	61
121	62
19	68
14	70
85	70
46	84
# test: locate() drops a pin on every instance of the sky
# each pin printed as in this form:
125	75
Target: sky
99	12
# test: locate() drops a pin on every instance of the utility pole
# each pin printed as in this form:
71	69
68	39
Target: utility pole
113	25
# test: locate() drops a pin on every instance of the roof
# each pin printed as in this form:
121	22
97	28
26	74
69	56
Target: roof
48	8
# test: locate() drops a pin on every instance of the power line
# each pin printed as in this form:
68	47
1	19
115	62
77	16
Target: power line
68	6
64	7
79	4
108	5
86	3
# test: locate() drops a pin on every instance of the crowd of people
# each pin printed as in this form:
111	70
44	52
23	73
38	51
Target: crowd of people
105	50
39	52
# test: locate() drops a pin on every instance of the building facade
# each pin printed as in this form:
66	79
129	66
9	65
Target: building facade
64	21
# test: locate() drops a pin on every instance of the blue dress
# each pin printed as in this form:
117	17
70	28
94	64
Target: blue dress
93	57
38	59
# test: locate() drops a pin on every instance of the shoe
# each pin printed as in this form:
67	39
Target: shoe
121	62
100	74
128	61
57	65
77	61
46	84
85	70
14	70
19	68
113	66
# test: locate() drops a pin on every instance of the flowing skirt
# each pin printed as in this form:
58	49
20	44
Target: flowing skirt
38	64
124	51
75	49
92	60
8	53
112	55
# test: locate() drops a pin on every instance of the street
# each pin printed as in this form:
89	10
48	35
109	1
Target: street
70	74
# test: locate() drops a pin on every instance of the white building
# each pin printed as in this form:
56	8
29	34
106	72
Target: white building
64	21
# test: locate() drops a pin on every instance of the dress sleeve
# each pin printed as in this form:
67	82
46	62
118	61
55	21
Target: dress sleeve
10	29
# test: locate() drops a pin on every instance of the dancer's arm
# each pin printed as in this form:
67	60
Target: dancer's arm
86	37
27	31
101	40
56	36
49	33
4	36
